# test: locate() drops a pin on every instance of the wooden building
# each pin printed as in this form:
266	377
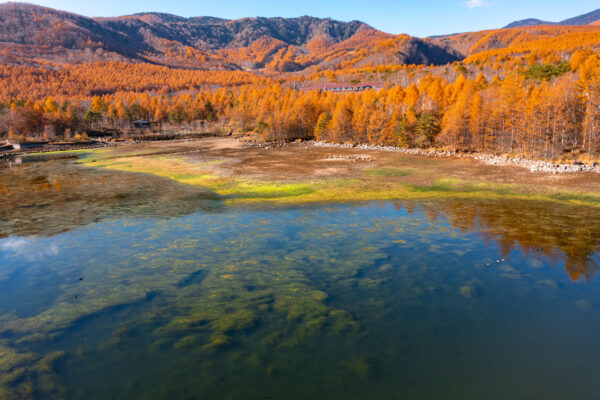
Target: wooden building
141	124
346	87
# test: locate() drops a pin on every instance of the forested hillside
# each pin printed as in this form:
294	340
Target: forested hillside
38	36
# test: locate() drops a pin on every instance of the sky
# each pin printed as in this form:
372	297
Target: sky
416	17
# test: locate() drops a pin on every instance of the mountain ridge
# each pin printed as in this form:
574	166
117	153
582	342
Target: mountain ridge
35	35
583	19
40	36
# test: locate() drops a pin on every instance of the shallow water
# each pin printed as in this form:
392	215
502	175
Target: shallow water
125	286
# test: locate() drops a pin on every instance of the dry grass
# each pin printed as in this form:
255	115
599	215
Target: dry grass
300	173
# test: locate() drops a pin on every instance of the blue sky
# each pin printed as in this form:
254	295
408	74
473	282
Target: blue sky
418	18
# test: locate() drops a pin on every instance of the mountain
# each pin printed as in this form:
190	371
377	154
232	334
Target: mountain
35	35
29	34
528	22
519	41
208	33
584	19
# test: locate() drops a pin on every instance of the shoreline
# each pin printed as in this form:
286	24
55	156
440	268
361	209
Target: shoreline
489	159
243	171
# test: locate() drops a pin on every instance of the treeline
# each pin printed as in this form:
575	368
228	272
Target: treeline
536	111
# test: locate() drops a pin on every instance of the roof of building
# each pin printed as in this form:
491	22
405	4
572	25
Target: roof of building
360	85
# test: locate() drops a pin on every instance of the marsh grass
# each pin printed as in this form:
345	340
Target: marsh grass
374	183
388	172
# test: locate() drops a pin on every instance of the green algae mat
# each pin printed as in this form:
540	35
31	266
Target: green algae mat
122	279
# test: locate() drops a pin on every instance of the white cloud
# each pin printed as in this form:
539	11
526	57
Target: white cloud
476	3
26	248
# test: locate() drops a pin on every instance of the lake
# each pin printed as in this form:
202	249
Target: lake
117	285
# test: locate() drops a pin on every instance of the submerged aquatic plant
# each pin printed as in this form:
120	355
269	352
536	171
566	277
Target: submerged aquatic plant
259	291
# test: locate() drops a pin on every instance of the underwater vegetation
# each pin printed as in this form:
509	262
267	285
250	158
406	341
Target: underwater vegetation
202	288
54	196
215	290
27	375
210	285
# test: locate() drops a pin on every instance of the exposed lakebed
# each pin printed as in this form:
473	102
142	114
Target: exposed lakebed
189	282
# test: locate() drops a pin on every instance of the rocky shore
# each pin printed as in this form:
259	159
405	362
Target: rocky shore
489	159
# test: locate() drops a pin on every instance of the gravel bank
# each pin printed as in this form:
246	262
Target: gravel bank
532	165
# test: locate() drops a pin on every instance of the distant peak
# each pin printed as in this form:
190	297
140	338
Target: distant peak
528	22
584	19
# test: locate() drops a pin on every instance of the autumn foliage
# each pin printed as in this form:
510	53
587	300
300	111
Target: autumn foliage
536	94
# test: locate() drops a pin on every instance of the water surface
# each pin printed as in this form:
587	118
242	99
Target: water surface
126	286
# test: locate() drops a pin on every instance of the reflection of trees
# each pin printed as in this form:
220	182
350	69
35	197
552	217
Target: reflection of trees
558	231
55	196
